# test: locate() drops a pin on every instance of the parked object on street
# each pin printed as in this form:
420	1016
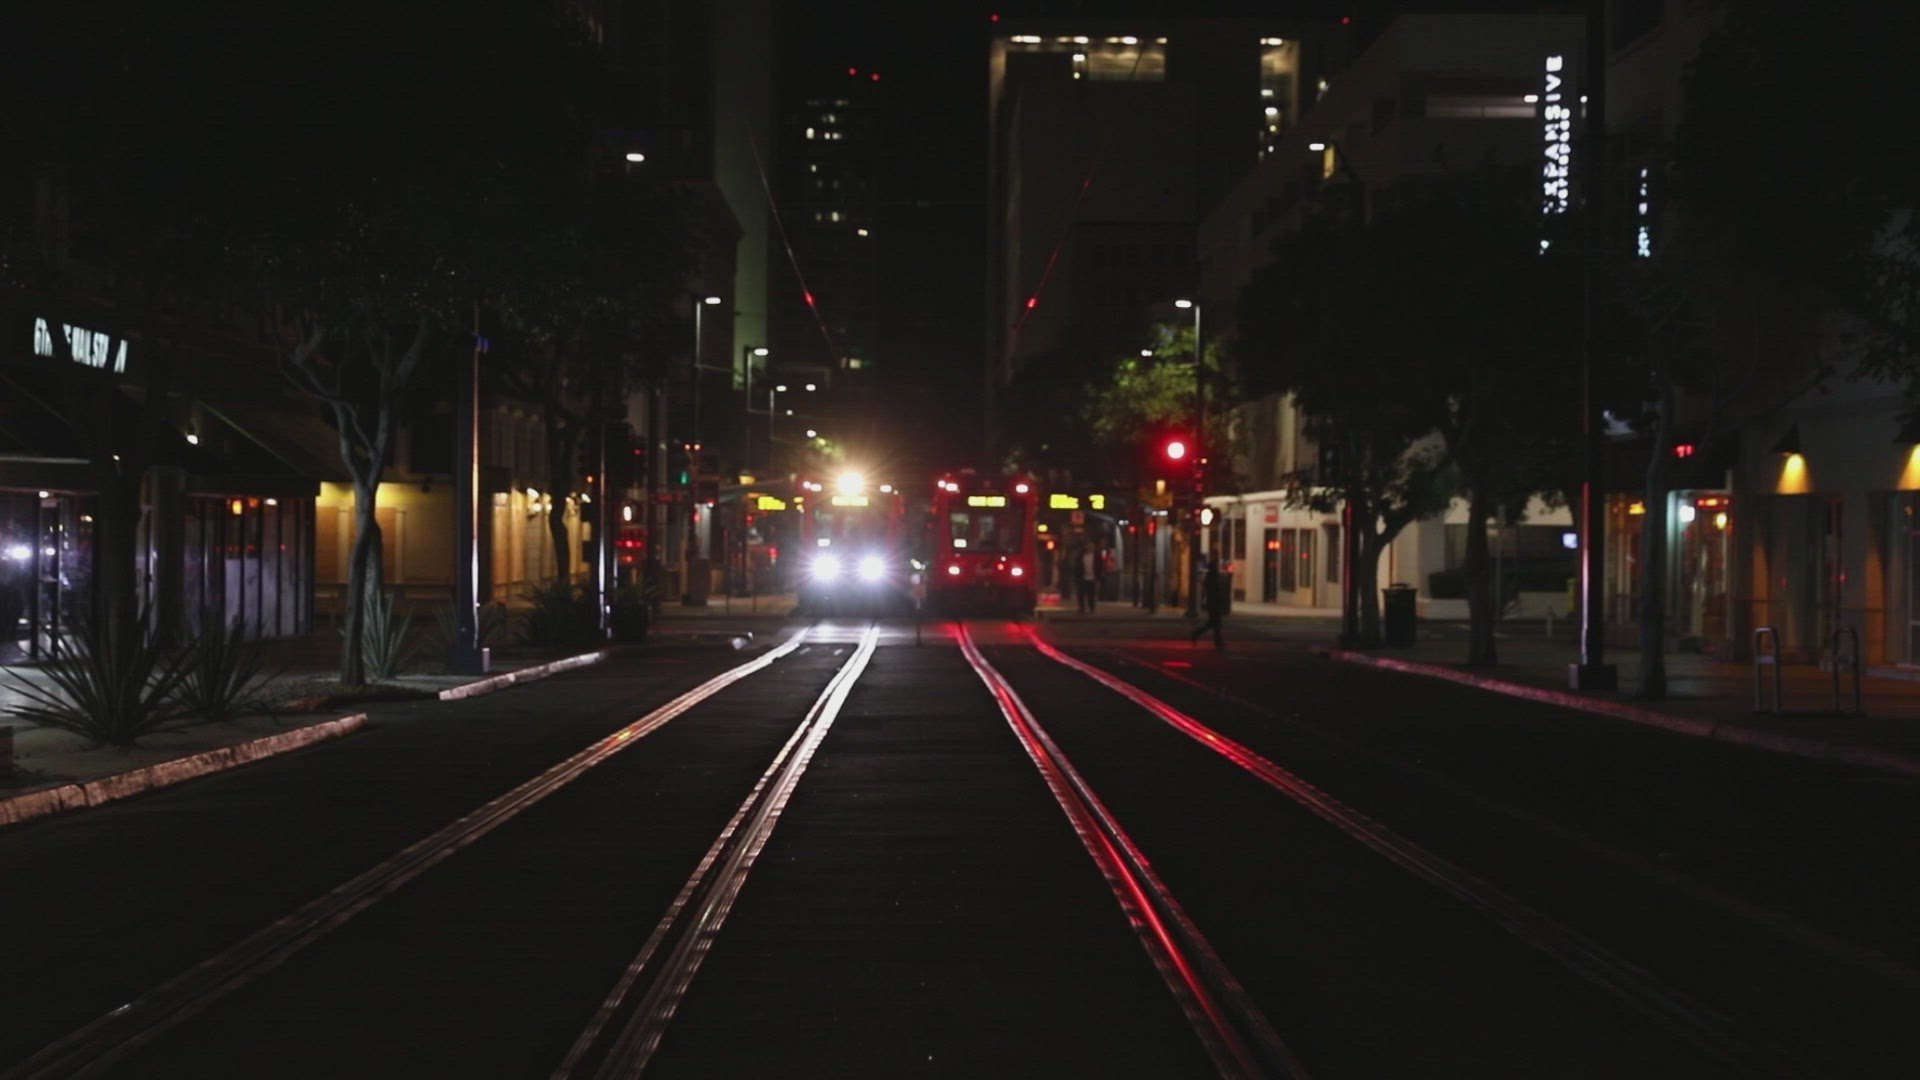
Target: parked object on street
1399	614
1766	654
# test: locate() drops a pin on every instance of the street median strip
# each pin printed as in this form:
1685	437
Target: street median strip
147	778
52	800
1740	734
528	674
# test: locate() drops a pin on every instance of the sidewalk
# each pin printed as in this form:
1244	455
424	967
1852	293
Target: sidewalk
1706	697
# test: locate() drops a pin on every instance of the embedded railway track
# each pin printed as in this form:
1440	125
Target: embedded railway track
627	1027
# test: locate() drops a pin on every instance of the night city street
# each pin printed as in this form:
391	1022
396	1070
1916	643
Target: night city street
1411	877
1260	540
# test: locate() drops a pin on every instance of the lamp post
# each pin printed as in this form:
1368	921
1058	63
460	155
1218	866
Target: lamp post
465	657
694	553
773	399
699	355
773	411
747	355
1201	450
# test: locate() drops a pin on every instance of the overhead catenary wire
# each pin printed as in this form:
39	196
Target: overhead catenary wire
786	245
1033	300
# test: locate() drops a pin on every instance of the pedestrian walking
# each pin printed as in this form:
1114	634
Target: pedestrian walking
1089	565
1216	594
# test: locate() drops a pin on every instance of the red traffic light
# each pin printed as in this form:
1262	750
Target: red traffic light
1176	450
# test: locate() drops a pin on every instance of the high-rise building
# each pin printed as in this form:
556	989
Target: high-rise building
699	115
1107	141
826	317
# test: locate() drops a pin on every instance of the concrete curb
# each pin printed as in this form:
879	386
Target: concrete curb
167	773
161	774
529	674
1739	734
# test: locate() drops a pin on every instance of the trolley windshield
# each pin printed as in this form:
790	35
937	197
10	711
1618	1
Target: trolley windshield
993	532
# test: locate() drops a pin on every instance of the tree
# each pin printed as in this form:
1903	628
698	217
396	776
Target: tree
592	286
360	372
1510	326
1144	394
1313	325
360	174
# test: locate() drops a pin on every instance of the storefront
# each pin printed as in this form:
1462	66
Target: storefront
225	527
1699	578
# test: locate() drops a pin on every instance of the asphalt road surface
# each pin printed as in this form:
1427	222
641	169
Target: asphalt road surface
993	851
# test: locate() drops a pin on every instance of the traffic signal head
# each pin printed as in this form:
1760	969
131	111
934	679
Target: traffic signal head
1174	450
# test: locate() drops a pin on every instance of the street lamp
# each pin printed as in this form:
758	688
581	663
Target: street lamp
700	305
699	355
747	355
1349	521
1199	459
773	411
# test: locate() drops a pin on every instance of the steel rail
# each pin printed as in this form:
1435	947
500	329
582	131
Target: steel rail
1767	919
693	920
92	1050
1702	1025
1237	1035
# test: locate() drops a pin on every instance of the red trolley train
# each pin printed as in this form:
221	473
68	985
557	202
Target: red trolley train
981	558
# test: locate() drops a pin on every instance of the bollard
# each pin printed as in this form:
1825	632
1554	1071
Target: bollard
1766	654
1844	646
1549	622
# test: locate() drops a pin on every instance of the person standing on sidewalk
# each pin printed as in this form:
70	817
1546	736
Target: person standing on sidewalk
1088	563
1216	594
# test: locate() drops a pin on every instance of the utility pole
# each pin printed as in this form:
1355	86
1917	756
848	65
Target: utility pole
1196	573
1201	448
1591	672
602	523
465	656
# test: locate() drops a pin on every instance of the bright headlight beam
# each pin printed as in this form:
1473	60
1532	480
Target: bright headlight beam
826	568
872	569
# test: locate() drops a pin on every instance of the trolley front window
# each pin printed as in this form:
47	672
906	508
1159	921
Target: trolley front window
996	532
850	525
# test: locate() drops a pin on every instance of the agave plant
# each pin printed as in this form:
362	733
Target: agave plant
106	687
223	671
562	614
383	639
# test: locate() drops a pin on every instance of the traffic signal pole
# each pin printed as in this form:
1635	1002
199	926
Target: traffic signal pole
1202	449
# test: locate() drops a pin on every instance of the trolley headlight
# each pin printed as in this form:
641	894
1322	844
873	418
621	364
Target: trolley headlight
826	568
872	569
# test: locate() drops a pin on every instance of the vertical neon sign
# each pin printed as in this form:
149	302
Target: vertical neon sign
1556	130
1643	237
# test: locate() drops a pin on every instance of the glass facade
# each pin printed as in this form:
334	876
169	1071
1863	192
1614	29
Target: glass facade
45	569
251	559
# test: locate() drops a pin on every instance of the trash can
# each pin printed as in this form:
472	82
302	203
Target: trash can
1398	614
